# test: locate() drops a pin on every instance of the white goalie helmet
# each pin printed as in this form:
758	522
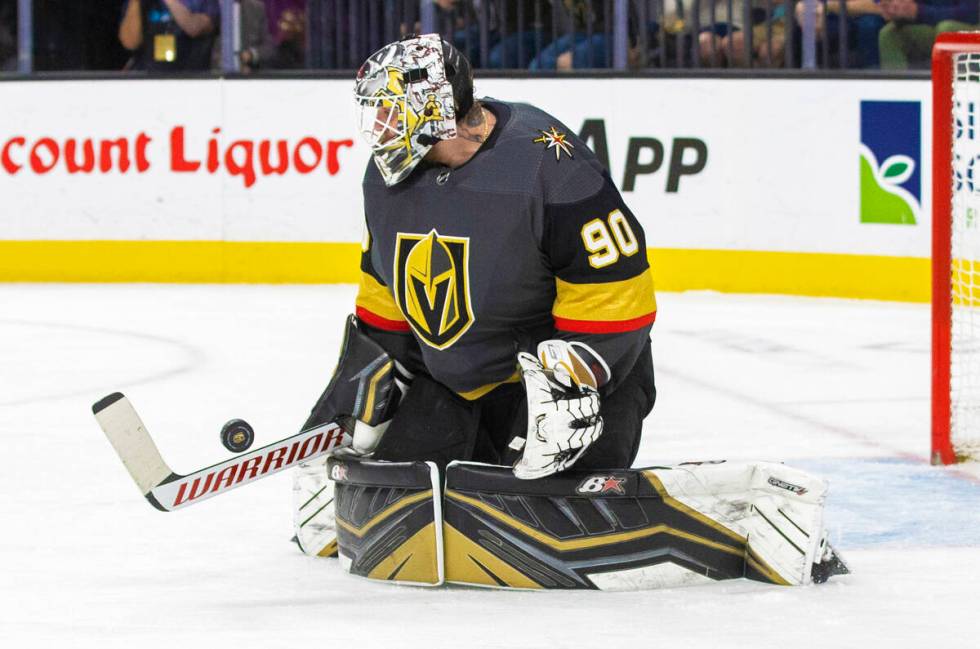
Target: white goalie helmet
405	101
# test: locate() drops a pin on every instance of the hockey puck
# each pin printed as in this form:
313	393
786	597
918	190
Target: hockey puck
237	435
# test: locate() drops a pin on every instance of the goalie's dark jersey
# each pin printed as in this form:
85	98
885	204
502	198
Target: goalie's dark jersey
529	240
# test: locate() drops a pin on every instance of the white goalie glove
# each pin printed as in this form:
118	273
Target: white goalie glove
563	417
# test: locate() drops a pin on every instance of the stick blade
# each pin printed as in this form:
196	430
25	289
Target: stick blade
132	442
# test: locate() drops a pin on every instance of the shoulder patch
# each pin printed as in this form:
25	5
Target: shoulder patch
553	139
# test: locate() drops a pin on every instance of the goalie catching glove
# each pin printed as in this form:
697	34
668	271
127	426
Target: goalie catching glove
563	419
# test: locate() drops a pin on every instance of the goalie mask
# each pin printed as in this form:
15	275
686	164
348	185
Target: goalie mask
406	101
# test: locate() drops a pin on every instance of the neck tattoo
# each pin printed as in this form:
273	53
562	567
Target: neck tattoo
486	124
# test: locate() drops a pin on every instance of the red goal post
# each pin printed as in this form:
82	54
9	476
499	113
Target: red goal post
955	295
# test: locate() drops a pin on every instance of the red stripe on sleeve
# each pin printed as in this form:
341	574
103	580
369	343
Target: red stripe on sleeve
377	321
604	327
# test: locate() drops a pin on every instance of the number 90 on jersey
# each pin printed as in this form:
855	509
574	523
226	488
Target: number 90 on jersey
609	239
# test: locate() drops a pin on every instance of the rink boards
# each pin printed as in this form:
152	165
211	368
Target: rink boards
812	187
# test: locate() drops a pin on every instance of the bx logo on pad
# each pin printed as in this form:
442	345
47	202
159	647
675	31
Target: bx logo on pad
891	161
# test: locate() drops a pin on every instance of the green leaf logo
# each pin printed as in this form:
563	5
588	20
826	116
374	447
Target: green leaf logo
896	169
883	200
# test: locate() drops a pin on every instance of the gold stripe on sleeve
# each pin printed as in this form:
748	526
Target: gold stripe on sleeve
623	300
374	297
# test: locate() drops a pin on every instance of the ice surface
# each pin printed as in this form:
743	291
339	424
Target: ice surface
837	387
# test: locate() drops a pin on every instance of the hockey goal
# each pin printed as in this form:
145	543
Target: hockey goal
956	248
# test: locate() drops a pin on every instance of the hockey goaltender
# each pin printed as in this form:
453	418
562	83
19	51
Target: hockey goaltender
497	372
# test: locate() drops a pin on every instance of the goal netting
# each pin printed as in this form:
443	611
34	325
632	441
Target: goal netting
956	248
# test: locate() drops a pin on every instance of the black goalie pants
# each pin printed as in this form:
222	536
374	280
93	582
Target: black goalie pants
433	423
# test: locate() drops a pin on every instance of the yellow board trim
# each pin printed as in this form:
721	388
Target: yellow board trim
179	262
875	277
594	541
384	513
623	300
963	277
872	277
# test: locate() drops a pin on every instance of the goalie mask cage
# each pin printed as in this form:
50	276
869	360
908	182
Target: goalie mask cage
956	247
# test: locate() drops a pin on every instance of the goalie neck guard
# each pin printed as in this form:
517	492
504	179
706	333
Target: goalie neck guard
408	95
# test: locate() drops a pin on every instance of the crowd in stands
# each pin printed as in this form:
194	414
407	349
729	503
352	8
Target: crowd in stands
183	35
8	35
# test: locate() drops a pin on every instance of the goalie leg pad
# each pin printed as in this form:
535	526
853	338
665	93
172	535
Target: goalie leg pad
389	520
608	530
777	509
313	511
626	529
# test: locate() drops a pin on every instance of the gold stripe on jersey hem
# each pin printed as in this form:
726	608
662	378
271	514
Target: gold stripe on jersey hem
476	393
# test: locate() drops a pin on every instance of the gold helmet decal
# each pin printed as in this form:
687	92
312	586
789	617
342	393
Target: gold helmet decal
432	286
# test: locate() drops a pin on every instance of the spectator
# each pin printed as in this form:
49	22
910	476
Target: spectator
587	44
719	22
906	40
273	34
520	35
768	41
170	35
459	18
8	35
670	32
67	35
862	23
59	35
285	18
514	37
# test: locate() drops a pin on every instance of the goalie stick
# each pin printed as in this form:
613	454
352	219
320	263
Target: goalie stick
168	491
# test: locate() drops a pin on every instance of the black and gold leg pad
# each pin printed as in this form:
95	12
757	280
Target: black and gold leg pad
389	520
628	529
608	530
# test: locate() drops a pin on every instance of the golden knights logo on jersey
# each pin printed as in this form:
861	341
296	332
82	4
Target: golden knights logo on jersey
432	286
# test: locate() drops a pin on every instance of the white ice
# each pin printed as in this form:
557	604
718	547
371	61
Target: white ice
837	387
